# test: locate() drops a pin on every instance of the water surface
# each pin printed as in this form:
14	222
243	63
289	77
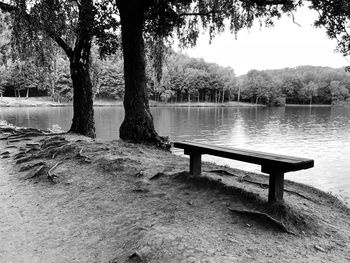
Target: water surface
320	133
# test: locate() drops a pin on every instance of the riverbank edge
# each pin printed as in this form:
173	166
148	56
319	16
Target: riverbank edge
47	102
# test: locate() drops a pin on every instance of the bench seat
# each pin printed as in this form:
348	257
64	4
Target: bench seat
273	164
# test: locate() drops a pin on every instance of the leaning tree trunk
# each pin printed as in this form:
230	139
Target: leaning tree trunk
138	122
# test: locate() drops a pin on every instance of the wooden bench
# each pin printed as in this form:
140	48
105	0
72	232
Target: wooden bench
273	164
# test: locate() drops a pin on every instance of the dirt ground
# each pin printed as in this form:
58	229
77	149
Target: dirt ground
93	201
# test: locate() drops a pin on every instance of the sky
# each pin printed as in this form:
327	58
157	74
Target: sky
284	45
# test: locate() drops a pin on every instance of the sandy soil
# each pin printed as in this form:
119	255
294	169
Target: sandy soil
120	202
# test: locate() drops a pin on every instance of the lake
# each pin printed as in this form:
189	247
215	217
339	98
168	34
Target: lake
320	133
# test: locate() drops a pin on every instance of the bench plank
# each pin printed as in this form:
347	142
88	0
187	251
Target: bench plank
266	160
273	164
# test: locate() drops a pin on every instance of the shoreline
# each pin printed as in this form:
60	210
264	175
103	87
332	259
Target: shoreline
47	102
96	201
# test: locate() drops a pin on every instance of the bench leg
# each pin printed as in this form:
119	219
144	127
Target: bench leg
276	185
195	164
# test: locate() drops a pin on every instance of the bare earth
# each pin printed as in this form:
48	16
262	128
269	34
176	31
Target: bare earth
120	202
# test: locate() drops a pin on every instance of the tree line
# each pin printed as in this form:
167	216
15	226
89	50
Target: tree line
300	85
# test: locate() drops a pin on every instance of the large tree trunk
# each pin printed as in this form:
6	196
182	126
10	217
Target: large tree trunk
80	61
83	112
138	122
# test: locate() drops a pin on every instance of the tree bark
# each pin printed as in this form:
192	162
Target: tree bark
80	60
83	111
239	94
138	122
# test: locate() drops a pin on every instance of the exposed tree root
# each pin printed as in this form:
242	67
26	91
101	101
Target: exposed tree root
19	155
50	175
30	166
32	144
7	129
156	176
18	140
24	135
11	146
36	173
85	157
265	216
26	159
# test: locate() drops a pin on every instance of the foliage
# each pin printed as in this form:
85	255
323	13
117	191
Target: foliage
187	16
257	86
191	79
109	78
339	92
335	17
304	84
5	37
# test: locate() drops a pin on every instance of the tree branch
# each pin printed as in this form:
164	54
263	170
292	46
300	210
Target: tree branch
271	2
7	8
293	19
222	8
53	35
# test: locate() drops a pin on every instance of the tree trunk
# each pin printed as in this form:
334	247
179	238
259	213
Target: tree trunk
223	96
27	95
239	94
138	122
83	111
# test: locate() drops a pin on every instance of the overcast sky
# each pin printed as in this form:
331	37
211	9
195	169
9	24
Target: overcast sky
284	45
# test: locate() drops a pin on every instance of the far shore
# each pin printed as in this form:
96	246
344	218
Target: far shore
48	102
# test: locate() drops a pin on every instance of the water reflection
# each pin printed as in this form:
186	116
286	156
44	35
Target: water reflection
321	133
